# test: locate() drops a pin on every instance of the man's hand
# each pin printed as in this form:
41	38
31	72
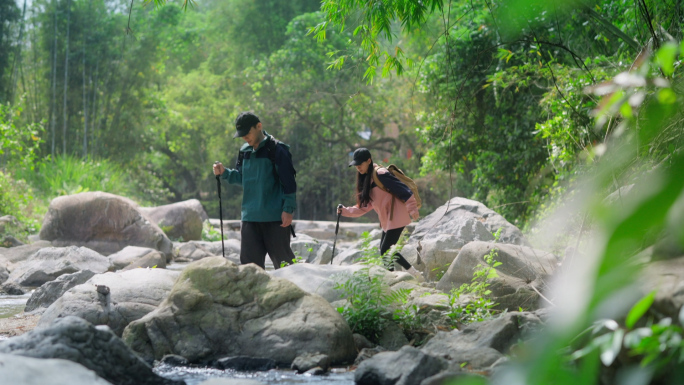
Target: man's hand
218	168
286	218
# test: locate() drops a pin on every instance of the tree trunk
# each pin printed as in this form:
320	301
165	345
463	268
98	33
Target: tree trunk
85	105
17	56
66	80
53	102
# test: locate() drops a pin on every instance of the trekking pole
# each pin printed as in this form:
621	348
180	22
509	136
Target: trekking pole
337	228
218	184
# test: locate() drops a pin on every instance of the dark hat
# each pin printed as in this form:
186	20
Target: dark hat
360	155
244	122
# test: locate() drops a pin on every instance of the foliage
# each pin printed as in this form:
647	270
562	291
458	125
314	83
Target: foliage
209	233
68	175
478	305
656	345
371	303
17	199
19	143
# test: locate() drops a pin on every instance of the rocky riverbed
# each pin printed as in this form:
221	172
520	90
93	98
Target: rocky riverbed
104	295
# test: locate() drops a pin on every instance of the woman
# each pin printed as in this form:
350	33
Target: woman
370	196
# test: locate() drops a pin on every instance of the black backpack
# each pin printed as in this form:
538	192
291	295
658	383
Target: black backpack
271	145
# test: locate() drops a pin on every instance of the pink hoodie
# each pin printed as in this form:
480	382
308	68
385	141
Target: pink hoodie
381	202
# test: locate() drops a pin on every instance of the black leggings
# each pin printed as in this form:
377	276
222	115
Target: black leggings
390	239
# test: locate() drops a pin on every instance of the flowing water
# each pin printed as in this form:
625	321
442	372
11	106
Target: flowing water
195	376
12	304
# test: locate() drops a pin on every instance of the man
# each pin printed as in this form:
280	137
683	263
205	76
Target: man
264	170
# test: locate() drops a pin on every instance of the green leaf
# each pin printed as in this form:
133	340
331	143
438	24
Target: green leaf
667	96
665	57
639	309
611	348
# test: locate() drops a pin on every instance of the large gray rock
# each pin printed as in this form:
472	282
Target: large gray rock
132	257
439	251
18	254
408	366
392	337
180	220
321	279
455	217
196	250
132	294
311	251
96	348
49	263
481	344
667	279
20	370
49	292
218	309
349	256
522	270
103	222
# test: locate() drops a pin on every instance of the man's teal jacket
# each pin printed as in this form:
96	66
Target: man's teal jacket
264	197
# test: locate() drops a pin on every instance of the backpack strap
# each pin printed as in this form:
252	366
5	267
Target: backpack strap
238	164
382	187
271	145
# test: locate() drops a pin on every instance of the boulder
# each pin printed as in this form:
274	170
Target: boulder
407	366
392	337
455	217
50	292
367	353
174	360
349	256
196	250
12	288
481	344
49	263
103	222
131	295
18	254
441	249
522	270
180	220
10	241
244	363
667	279
308	361
22	370
96	348
312	251
321	279
132	257
218	309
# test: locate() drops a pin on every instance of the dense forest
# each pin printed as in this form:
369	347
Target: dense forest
138	100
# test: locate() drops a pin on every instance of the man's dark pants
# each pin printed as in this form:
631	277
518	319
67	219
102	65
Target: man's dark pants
259	238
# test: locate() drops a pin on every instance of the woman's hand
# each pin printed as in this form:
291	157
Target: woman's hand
415	215
339	208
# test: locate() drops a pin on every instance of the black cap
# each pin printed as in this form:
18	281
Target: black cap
360	155
244	122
